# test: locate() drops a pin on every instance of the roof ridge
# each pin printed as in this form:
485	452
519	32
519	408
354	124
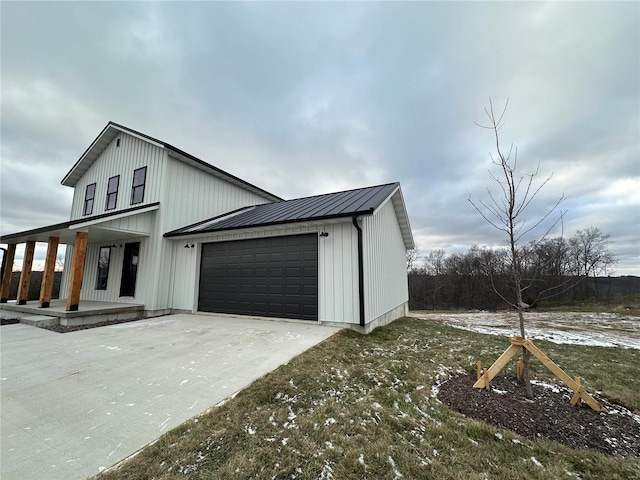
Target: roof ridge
341	191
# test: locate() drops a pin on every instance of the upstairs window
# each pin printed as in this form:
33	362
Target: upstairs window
89	195
112	192
103	268
137	190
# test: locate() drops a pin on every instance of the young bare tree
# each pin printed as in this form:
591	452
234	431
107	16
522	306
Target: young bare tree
506	211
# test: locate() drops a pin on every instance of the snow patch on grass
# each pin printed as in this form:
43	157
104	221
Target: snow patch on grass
396	472
327	472
536	462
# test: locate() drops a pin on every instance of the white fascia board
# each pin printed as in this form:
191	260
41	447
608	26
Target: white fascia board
402	216
139	137
386	200
90	155
90	223
134	233
403	219
266	229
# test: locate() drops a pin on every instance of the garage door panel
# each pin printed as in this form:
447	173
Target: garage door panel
273	277
293	271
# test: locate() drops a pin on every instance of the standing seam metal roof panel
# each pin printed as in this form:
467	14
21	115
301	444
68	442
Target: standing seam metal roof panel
331	205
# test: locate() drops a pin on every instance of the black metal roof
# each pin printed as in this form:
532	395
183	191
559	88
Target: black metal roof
361	201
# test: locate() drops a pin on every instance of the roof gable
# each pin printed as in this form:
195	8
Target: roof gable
112	130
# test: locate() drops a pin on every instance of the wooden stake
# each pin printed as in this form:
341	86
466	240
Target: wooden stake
580	394
520	370
496	367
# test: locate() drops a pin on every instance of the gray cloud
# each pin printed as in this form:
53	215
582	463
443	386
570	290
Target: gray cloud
304	98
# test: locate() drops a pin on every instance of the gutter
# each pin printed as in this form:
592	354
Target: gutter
354	219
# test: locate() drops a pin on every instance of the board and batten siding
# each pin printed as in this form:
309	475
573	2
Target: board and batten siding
192	195
337	268
338	274
133	153
385	271
112	293
140	223
189	195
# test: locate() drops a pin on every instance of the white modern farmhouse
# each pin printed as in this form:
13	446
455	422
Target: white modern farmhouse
160	231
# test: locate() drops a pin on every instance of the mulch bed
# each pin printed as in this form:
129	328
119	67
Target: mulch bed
550	415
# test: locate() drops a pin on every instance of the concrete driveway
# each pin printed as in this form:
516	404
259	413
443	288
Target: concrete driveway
74	404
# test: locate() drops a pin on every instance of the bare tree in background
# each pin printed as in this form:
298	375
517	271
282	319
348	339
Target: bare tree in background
60	262
412	258
506	211
590	253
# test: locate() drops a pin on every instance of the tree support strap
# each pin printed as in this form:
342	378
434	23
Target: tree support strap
580	395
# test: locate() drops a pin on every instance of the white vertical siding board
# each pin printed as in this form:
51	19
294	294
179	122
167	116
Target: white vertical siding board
141	223
64	281
160	250
132	153
384	263
193	195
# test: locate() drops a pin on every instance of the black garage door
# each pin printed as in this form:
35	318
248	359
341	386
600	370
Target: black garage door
266	277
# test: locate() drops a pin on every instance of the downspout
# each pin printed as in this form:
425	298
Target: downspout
360	269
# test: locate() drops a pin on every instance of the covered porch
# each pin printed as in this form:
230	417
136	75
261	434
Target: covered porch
100	228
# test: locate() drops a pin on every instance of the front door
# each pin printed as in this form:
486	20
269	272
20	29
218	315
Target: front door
129	269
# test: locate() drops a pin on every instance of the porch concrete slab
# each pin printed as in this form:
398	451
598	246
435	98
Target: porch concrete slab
74	404
39	320
58	308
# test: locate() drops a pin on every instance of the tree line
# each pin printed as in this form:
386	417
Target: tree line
552	268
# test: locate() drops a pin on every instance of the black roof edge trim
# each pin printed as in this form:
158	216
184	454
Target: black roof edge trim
193	225
69	223
176	233
85	152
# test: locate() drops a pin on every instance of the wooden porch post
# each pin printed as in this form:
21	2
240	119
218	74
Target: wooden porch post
8	269
46	287
77	270
25	275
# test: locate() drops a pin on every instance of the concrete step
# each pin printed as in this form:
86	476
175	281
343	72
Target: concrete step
40	320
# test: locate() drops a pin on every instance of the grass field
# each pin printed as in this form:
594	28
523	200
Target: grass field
359	407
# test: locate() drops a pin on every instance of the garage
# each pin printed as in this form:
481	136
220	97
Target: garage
265	277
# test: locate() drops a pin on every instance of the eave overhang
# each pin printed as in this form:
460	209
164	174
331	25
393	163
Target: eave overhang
66	231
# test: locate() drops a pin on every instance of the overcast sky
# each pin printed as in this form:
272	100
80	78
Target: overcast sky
308	98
